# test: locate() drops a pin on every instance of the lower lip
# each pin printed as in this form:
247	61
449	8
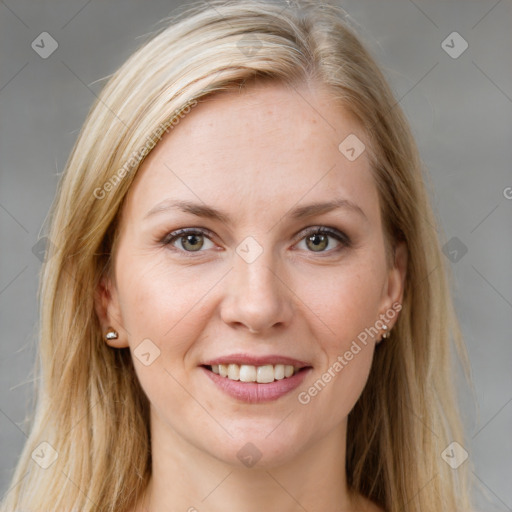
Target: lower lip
253	392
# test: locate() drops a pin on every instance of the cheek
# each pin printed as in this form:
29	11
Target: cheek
348	370
346	299
347	358
162	315
163	304
347	310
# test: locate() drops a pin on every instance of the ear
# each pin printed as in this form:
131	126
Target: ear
395	285
107	308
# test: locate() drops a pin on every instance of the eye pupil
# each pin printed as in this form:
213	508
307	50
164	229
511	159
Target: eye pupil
192	239
322	244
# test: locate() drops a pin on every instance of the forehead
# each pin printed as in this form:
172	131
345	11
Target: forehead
257	151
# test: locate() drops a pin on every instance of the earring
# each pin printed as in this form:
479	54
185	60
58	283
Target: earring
111	334
386	334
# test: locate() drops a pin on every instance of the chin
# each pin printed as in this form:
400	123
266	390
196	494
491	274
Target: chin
269	446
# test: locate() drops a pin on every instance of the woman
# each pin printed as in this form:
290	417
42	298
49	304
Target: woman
245	306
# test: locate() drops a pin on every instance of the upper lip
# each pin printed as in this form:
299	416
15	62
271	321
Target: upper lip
248	359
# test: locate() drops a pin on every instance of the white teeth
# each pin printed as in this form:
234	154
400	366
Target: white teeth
249	373
233	372
265	374
279	371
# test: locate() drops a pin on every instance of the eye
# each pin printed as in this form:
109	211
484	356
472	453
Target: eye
192	240
317	239
189	239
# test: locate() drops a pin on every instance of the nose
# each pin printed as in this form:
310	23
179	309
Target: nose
257	296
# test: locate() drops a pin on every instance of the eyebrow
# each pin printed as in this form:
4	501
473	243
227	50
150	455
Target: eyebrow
209	212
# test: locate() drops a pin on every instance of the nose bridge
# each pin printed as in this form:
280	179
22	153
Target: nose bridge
257	296
256	276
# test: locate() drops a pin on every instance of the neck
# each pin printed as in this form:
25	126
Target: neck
185	478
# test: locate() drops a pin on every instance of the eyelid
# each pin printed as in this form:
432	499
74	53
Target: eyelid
341	237
178	233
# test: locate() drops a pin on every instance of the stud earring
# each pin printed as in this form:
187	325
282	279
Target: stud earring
111	334
385	335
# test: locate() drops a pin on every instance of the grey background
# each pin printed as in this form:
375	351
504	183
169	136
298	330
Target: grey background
460	110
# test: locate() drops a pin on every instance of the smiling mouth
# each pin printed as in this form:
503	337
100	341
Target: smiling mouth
264	374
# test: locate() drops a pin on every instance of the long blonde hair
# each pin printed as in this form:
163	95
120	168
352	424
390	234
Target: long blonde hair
90	407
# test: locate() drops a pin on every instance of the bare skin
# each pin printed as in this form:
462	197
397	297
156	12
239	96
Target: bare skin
256	155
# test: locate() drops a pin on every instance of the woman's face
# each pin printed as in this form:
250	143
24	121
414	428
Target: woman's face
252	283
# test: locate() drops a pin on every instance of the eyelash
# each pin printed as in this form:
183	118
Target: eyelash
322	230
